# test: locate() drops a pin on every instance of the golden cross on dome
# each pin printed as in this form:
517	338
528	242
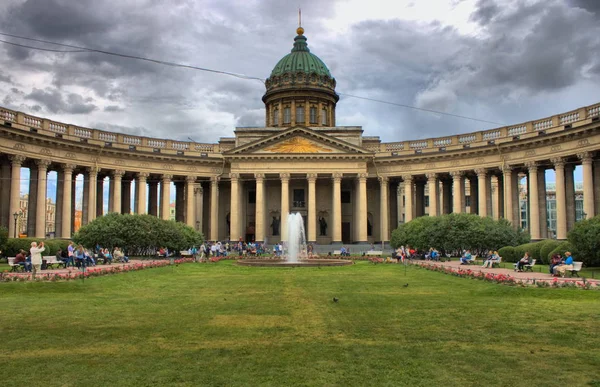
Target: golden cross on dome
300	30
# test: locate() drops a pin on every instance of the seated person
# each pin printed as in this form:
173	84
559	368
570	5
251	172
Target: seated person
466	258
107	256
100	256
80	257
491	259
526	260
343	251
60	257
564	266
555	261
21	260
434	255
89	258
119	255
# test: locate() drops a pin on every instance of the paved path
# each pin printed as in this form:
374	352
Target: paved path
70	269
536	275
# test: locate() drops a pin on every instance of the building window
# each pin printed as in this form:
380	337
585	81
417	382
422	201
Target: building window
467	201
251	197
287	115
346	197
323	116
426	200
299	198
300	114
276	117
313	115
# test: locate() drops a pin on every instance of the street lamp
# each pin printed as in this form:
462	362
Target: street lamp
16	216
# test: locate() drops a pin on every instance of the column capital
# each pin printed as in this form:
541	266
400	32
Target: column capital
506	169
234	176
284	176
383	180
312	177
68	168
431	176
259	176
456	174
143	176
198	189
336	177
43	163
118	173
362	176
481	172
531	166
92	170
585	157
190	179
166	177
214	179
558	162
407	178
17	159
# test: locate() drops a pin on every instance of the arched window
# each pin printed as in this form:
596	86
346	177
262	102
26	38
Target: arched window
275	117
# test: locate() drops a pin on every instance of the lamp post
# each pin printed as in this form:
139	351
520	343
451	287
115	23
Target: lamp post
16	216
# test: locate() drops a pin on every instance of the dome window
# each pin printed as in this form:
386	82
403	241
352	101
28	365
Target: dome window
324	117
313	115
300	114
287	115
275	117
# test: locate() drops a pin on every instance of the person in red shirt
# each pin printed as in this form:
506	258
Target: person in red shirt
22	260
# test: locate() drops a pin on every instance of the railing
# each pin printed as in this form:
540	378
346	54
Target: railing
298	204
556	122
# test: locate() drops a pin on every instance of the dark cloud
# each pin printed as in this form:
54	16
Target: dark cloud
589	5
113	108
54	101
485	11
5	78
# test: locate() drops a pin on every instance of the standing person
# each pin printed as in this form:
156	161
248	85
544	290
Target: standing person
36	256
71	252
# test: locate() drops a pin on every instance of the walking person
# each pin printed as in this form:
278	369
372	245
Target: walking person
36	256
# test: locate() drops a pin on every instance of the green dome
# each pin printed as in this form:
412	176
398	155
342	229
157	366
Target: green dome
300	60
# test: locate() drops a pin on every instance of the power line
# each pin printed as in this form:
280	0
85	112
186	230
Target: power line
80	49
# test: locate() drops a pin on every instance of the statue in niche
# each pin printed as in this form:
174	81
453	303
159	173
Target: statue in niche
323	226
275	225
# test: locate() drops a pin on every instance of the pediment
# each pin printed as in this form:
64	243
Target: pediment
298	140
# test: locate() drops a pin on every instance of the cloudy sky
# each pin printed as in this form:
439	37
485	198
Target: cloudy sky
505	61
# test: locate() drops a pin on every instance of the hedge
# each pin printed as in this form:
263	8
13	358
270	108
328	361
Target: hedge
561	249
532	248
508	254
547	246
13	245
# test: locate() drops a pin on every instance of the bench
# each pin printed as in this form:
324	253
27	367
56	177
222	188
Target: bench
576	268
337	252
185	253
14	266
528	267
472	260
497	263
374	253
51	261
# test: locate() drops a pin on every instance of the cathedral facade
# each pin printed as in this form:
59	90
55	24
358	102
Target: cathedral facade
350	188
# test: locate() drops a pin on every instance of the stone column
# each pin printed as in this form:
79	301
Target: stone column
234	209
190	211
458	188
482	192
40	220
32	204
508	195
473	194
285	204
259	214
588	184
337	208
542	203
115	185
362	209
384	208
561	200
596	170
15	192
408	198
312	207
67	194
570	195
199	207
533	202
399	203
141	188
432	186
153	198
180	201
214	208
100	196
495	202
93	180
165	193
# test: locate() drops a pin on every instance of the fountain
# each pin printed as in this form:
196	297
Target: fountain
295	250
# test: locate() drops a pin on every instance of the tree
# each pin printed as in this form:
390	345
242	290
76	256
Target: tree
3	238
137	234
585	239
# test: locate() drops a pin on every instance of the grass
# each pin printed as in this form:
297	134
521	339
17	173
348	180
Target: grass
220	324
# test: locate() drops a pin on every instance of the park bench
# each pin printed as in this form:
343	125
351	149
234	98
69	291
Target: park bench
185	253
576	268
51	261
374	253
337	252
497	263
14	266
527	267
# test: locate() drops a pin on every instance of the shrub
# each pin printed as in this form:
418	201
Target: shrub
560	249
547	246
13	245
585	239
532	248
3	238
508	254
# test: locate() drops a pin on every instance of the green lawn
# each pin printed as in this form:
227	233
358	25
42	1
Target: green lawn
219	324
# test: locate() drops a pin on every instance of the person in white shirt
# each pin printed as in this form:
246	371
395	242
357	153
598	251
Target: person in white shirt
36	256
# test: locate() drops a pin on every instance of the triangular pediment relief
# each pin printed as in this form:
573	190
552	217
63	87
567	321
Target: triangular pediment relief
298	140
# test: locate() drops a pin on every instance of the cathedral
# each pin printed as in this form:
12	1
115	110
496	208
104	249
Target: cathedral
349	188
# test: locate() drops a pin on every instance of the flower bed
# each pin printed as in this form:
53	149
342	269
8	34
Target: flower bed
95	271
506	279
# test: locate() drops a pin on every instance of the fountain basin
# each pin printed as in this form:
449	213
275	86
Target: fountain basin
300	263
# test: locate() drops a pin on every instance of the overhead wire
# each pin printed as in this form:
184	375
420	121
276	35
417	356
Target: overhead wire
80	49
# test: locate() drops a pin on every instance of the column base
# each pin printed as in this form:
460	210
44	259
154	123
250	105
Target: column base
336	242
358	242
